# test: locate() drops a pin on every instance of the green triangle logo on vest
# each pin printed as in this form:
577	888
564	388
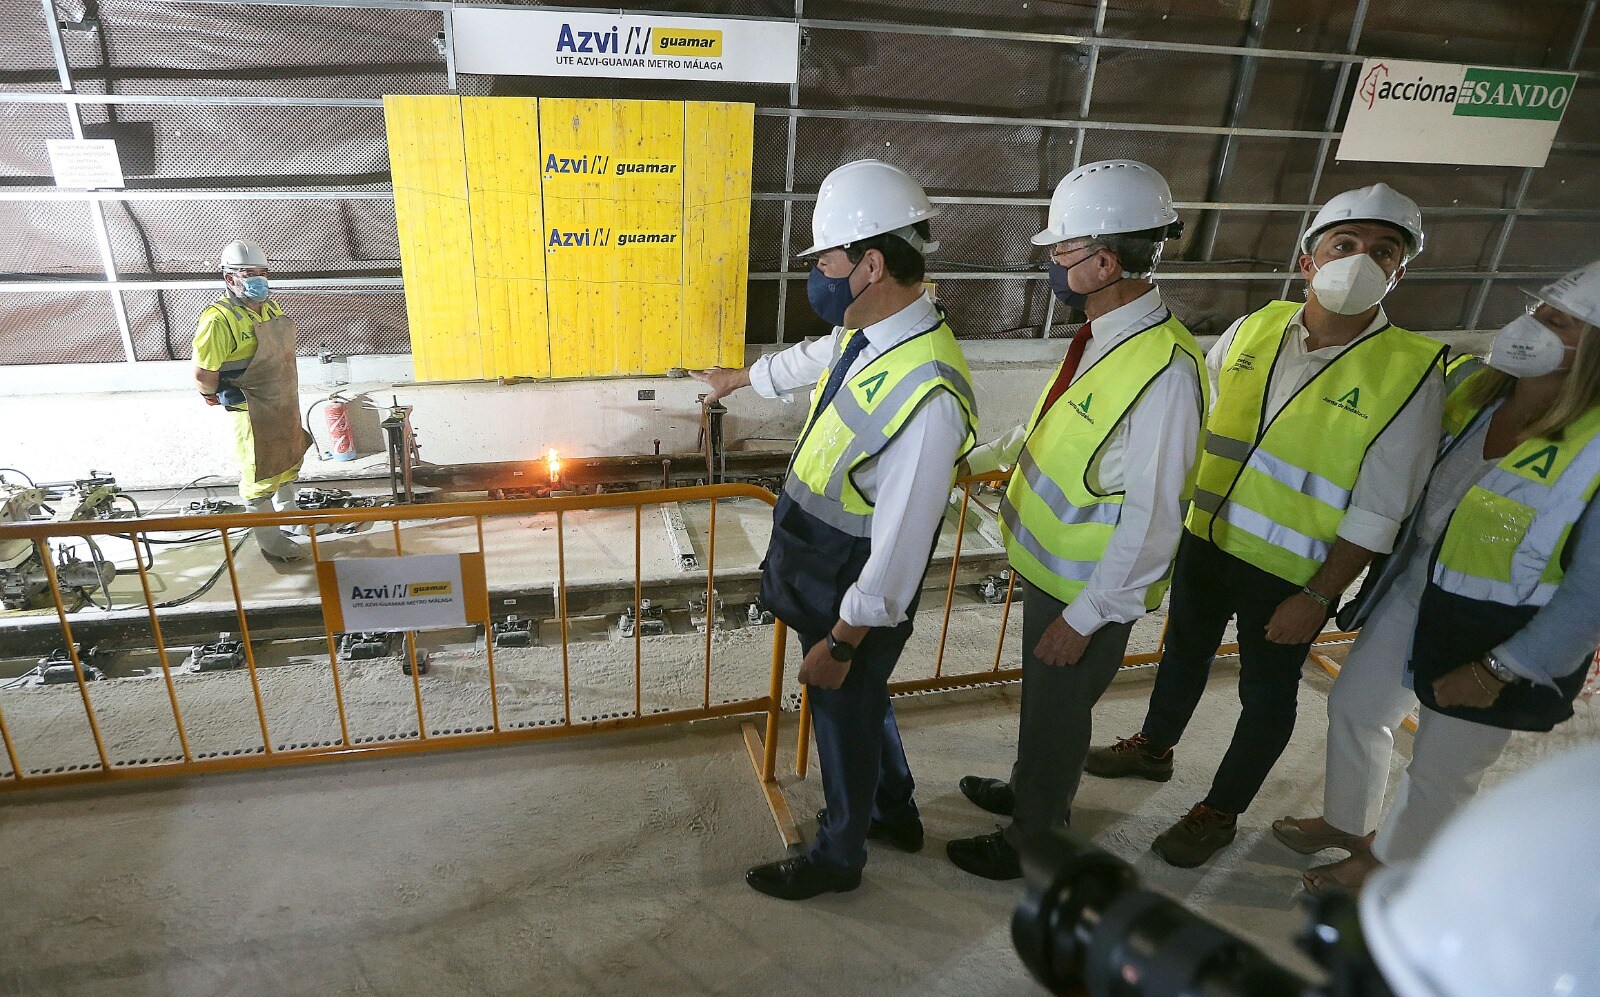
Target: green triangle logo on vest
1350	402
1539	463
873	385
1083	406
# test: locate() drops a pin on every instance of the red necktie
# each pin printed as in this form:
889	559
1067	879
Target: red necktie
1069	367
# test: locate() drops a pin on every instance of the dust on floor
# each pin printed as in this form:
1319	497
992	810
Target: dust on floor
609	865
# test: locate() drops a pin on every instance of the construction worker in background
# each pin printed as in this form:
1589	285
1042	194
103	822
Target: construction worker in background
1486	611
1095	507
1324	428
891	415
244	356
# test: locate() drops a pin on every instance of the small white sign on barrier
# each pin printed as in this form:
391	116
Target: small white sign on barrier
415	592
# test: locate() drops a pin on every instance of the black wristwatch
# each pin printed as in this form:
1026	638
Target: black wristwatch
839	650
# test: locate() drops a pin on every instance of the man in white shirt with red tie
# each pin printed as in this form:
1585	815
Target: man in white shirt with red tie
1094	509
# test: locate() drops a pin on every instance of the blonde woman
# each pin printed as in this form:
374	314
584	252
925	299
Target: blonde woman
1487	612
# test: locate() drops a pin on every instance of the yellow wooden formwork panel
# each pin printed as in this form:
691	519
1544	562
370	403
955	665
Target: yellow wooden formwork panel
576	140
716	226
428	163
503	180
613	197
647	196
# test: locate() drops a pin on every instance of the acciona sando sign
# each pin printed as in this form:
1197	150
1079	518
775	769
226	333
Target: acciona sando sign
1435	112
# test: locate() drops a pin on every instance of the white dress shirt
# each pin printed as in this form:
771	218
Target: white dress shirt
908	482
1396	468
1147	458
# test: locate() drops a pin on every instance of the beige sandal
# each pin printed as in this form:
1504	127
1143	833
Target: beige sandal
1289	831
1346	875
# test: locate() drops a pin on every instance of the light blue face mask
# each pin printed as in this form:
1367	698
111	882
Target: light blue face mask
255	288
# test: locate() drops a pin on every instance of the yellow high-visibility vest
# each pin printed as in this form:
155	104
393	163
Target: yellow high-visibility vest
869	410
1273	492
1506	540
1056	526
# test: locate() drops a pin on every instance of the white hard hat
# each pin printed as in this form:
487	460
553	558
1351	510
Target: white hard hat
1108	198
1505	900
1577	294
867	198
240	253
1378	203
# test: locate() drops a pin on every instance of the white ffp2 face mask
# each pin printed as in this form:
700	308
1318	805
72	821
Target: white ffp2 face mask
1527	348
1350	285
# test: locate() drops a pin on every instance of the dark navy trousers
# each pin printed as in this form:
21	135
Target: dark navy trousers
865	775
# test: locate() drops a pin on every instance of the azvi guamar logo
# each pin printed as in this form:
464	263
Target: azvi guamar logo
638	46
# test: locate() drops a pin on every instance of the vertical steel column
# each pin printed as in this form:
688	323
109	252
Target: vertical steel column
1244	84
97	215
1084	103
1357	21
1504	238
788	184
449	32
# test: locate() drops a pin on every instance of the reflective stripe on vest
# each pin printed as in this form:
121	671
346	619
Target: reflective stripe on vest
1273	492
1056	526
869	410
1506	540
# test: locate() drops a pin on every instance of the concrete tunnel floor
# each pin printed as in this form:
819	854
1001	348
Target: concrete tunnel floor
611	864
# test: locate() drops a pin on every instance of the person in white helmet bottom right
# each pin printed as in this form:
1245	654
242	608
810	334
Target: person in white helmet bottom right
1319	440
1486	612
1522	920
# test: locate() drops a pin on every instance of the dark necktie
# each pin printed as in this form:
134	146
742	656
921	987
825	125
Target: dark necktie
852	349
1069	367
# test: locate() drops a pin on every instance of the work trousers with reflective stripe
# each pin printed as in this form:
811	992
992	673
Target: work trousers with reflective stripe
1210	587
1053	732
865	775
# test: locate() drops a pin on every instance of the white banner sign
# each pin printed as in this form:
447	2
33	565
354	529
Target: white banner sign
1436	112
545	43
417	592
89	164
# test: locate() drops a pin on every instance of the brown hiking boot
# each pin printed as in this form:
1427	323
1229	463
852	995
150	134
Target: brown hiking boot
1201	833
1130	756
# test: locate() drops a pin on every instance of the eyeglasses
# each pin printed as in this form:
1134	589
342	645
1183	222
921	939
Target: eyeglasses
1059	256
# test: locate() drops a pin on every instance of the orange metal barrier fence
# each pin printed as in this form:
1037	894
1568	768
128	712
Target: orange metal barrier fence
761	745
269	751
994	673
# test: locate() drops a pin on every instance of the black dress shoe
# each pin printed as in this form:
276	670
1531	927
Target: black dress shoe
987	855
993	795
905	835
799	879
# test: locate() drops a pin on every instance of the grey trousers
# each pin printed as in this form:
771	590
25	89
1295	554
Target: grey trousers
1056	718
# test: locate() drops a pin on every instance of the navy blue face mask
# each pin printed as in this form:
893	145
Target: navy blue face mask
1064	292
831	297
